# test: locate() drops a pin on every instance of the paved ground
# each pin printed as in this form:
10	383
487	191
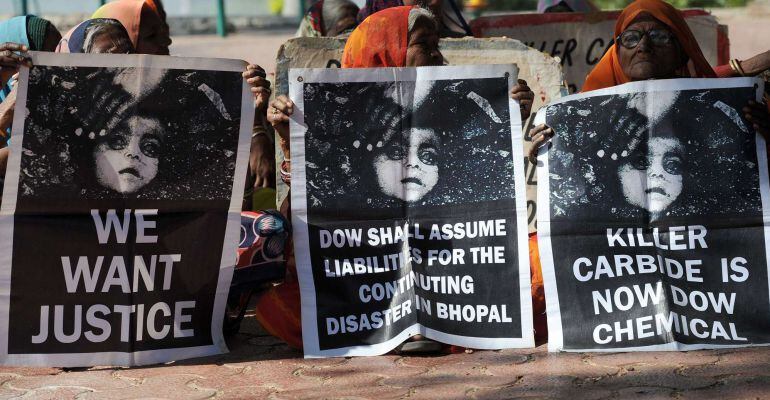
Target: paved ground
260	367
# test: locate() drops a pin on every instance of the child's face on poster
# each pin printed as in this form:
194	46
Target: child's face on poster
408	171
127	160
653	181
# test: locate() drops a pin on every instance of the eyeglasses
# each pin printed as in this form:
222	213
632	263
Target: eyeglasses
659	38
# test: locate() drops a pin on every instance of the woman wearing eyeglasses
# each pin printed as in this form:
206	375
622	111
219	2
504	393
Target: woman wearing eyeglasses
652	41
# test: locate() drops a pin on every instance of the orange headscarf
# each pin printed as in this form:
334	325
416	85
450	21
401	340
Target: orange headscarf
608	71
380	40
128	12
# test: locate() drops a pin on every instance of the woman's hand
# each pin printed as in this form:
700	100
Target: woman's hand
262	162
525	96
256	78
755	65
540	134
278	115
757	115
10	61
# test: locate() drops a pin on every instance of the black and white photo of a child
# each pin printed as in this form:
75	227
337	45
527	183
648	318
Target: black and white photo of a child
124	159
407	166
670	160
651	174
170	138
424	144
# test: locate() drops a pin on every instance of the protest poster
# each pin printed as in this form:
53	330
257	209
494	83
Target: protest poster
542	73
580	40
653	225
120	215
408	208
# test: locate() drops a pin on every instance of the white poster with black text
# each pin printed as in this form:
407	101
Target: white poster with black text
408	208
120	213
653	229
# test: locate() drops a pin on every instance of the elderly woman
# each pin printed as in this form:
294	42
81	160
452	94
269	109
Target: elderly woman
405	36
329	18
145	21
380	42
652	42
98	35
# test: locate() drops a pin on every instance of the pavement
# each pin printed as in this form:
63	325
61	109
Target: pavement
261	367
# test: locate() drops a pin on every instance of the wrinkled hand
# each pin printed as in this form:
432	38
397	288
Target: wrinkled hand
540	134
278	115
10	61
256	78
758	117
755	65
262	162
525	96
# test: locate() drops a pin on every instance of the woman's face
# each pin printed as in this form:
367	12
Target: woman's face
408	171
654	180
127	160
648	60
422	47
109	40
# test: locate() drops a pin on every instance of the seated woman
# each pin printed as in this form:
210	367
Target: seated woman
404	36
329	18
652	42
145	22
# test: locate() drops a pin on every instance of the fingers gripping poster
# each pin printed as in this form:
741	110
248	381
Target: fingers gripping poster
408	207
653	230
120	213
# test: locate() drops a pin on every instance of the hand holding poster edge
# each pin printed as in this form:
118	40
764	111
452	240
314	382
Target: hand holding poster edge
297	77
556	338
232	232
